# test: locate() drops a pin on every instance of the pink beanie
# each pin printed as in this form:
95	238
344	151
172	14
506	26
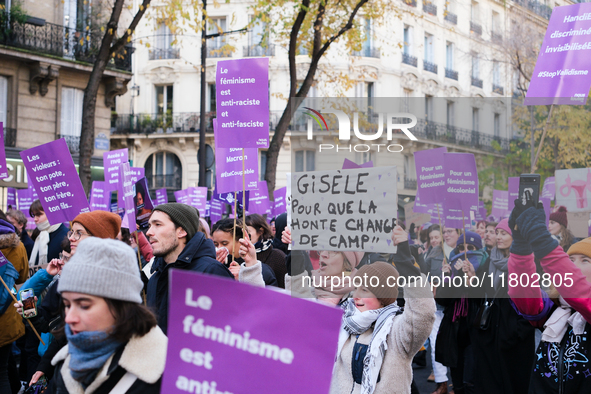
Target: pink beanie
354	258
504	225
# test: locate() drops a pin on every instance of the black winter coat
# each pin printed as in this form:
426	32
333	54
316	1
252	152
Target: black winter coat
197	256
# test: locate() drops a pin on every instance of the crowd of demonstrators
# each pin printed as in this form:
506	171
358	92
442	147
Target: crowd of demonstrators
90	296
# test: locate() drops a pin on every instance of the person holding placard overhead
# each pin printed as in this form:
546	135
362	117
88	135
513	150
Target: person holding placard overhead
377	341
114	342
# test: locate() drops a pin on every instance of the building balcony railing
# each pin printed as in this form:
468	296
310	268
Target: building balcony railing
496	38
164	53
429	8
73	142
412	3
475	28
258	50
451	74
368	52
56	40
498	89
182	122
456	135
431	67
169	181
219	49
451	18
9	137
538	8
477	82
410	184
410	60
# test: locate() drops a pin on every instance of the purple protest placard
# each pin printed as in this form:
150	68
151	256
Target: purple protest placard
259	200
546	202
25	200
242	97
461	189
56	180
228	163
143	203
229	198
137	173
11	197
182	196
100	196
34	195
500	203
561	75
549	189
217	210
277	354
197	198
207	208
3	259
161	196
126	189
111	162
431	175
3	169
513	191
279	205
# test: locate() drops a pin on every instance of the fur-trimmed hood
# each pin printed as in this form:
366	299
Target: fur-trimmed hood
9	240
144	357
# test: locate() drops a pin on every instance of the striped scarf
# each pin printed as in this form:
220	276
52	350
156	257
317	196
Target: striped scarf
355	323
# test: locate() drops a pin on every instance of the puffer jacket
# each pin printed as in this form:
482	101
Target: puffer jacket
11	323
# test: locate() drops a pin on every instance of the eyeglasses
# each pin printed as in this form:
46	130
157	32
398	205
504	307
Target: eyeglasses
76	235
469	247
64	258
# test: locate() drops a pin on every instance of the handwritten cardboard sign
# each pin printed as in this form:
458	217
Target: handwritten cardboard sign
257	337
344	209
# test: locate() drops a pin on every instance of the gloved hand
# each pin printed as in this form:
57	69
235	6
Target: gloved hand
519	246
531	224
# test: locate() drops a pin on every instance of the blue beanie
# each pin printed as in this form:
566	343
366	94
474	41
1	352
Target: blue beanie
472	238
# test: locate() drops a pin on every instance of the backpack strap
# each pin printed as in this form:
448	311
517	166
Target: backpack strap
124	384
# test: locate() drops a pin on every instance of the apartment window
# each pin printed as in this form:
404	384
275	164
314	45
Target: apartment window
449	55
163	169
407	94
450	114
409	167
3	99
305	160
164	99
163	37
71	116
210	104
429	108
217	25
263	162
475	68
408	50
429	48
496	74
474	12
367	44
475	119
362	157
496	22
259	34
497	125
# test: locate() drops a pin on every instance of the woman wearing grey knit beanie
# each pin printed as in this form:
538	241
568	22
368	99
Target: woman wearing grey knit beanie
113	340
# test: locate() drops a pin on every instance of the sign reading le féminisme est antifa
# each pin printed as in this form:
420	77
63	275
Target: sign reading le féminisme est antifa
53	174
344	209
242	97
562	74
207	334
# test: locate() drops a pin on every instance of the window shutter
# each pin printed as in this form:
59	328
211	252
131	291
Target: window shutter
3	99
67	113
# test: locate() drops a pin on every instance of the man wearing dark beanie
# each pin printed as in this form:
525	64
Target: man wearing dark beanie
177	244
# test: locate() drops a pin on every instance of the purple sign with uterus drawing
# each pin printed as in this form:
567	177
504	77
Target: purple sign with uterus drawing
573	189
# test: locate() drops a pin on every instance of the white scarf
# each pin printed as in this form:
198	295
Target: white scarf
559	320
41	243
356	322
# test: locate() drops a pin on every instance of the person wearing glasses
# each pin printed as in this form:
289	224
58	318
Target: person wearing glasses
100	224
461	305
450	239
